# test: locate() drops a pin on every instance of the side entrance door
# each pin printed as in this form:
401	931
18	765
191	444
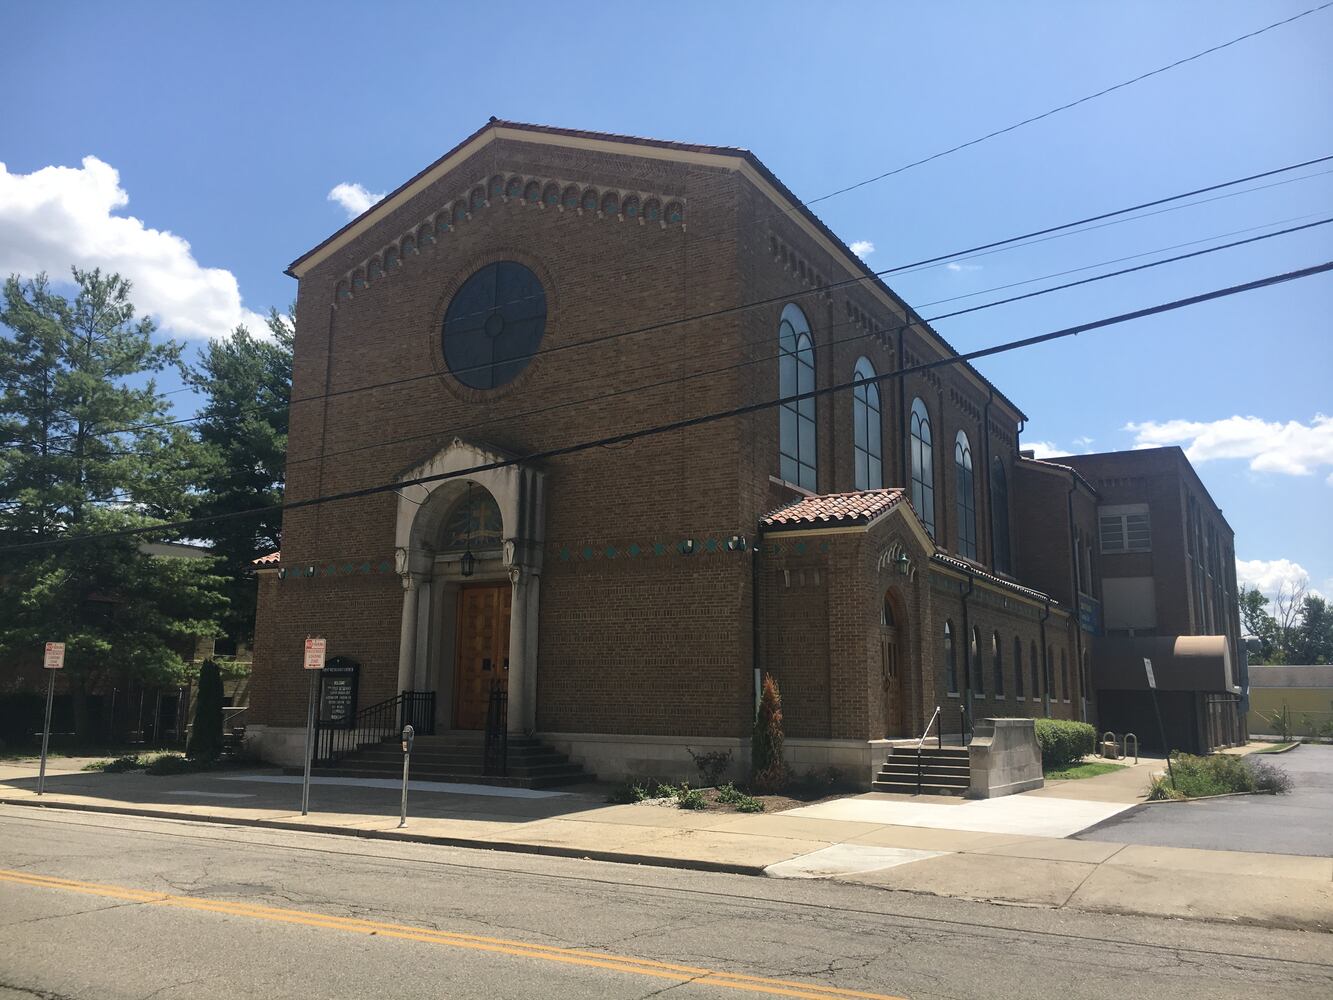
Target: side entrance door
482	655
890	669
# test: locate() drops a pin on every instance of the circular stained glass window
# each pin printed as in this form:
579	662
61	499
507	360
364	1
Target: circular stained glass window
494	324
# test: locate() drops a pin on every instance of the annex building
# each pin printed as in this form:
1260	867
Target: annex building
882	550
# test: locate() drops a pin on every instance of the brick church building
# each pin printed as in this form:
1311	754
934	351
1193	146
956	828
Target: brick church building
881	550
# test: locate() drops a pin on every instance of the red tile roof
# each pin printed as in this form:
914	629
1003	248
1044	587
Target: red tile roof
272	559
834	509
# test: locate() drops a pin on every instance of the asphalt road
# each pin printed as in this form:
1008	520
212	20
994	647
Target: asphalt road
95	907
1297	822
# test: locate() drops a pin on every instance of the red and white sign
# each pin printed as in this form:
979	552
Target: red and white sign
55	656
314	653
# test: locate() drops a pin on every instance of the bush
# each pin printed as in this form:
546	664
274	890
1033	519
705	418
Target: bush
768	767
1193	777
689	798
711	765
127	762
174	763
636	792
206	737
1063	743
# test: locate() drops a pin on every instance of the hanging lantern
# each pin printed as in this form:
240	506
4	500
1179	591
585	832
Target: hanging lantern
468	563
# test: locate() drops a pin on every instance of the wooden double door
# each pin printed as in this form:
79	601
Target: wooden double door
482	652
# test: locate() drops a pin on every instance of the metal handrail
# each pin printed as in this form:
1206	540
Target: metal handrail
495	751
939	738
376	723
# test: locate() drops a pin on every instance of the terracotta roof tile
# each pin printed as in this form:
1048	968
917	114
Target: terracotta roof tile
833	509
272	559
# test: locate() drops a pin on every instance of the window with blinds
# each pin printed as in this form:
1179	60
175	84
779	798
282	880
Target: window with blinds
1125	529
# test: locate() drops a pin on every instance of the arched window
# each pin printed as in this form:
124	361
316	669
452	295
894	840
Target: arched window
460	212
950	658
997	661
514	187
478	199
630	207
610	203
1035	667
923	465
590	200
1064	673
570	199
652	210
1048	669
796	375
866	427
967	504
886	613
532	193
999	511
974	657
1018	668
551	195
675	213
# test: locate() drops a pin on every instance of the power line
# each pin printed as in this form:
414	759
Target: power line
1071	104
802	293
624	437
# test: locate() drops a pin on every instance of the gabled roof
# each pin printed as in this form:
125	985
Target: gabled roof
726	157
833	510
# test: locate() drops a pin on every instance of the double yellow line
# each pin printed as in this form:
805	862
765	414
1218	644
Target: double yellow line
472	942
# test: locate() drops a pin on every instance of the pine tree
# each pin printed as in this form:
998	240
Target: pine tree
83	452
242	429
206	736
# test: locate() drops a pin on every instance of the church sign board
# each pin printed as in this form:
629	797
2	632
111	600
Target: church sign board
337	693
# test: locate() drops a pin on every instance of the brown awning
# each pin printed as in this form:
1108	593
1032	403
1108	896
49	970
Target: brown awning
1180	663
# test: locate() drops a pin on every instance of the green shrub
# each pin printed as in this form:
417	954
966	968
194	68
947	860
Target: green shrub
639	792
749	804
1063	743
127	762
690	798
1268	777
729	794
1192	777
174	763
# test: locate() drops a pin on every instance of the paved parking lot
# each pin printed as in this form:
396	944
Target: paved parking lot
1294	823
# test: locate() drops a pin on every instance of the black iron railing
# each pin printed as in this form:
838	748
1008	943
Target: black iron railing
964	725
376	723
495	755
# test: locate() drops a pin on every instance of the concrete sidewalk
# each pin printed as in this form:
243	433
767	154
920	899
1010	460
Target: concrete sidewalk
1008	850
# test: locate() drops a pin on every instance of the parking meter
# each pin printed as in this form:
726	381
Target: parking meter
409	736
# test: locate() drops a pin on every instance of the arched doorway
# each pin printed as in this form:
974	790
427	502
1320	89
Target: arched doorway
892	654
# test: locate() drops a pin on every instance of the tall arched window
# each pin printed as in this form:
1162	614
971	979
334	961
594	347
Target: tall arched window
999	514
950	658
974	657
866	430
997	660
923	465
967	504
796	374
1035	667
1018	668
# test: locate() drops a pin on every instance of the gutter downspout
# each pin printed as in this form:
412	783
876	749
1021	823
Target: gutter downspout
1045	662
967	660
1078	604
756	552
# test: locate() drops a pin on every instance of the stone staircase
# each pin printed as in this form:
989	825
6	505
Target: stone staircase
944	771
458	757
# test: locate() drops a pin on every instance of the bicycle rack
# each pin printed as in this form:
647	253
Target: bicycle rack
1128	737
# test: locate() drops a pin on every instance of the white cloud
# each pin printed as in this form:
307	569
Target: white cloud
863	248
1268	576
1293	448
1084	443
956	267
1044	449
355	199
58	217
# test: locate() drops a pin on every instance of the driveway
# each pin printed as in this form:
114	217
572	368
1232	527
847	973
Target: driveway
1295	823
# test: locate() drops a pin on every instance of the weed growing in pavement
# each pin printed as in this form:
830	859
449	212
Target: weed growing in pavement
118	765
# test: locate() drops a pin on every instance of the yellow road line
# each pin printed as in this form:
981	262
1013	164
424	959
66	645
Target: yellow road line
521	949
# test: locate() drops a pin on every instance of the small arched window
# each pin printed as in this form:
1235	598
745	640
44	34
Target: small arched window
344	291
460	212
551	195
675	213
796	375
589	200
409	245
425	236
532	194
974	657
652	211
478	199
610	204
514	188
886	613
390	259
999	509
1035	667
950	658
375	269
570	199
630	207
866	426
497	188
967	503
1018	668
997	661
921	448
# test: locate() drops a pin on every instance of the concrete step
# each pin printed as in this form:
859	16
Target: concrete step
909	788
937	774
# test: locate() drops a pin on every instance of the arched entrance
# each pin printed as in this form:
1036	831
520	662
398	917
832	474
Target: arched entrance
469	554
892	655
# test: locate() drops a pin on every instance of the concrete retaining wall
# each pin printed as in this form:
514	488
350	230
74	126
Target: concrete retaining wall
1004	758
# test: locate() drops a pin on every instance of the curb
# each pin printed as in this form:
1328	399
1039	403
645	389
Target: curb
1203	798
1295	744
508	847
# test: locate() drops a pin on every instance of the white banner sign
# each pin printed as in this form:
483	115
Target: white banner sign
1152	681
314	654
55	656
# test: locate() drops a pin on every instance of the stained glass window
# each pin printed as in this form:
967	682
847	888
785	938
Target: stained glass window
494	324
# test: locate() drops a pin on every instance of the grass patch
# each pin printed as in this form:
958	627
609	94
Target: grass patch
1082	771
1194	777
1276	748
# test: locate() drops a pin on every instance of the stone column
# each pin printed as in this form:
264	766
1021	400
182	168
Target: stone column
407	639
523	650
421	679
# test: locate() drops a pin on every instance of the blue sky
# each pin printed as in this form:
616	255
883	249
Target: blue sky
227	125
